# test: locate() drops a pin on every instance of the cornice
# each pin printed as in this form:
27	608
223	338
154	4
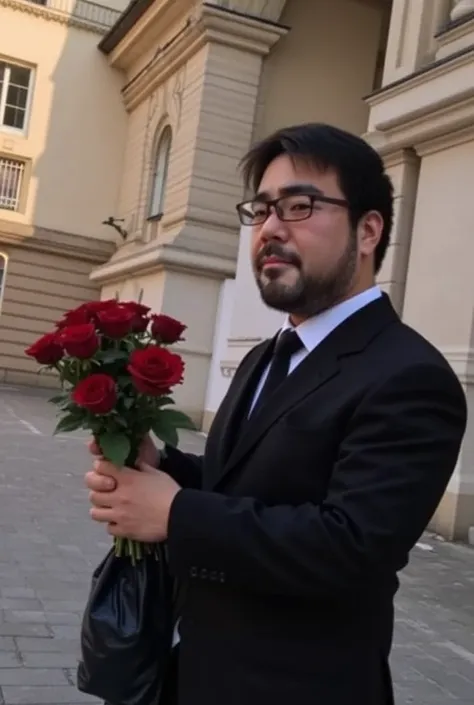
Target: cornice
164	257
440	126
208	24
55	242
420	78
60	16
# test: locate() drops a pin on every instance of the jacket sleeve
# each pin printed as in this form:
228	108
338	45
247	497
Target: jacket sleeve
394	464
184	468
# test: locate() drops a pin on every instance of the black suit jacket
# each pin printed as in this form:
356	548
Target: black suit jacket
288	536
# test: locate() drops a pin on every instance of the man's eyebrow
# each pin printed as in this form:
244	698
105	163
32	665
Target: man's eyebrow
290	190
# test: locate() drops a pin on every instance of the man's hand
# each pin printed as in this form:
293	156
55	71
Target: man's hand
135	505
148	452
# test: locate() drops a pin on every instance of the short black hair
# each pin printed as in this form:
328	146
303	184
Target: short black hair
359	168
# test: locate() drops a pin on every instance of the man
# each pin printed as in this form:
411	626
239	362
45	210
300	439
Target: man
325	462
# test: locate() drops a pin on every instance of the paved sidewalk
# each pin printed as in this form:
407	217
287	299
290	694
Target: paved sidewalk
49	547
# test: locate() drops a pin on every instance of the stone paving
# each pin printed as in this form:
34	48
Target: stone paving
49	547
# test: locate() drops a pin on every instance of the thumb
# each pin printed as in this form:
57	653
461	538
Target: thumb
104	467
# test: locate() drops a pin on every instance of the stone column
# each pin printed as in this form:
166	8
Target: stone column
411	42
403	168
439	297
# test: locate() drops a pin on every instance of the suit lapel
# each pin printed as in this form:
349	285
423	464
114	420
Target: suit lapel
232	413
321	365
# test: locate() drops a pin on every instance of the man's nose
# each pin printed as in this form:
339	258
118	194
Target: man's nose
273	228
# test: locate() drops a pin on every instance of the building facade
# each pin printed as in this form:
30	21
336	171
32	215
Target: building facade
151	134
62	129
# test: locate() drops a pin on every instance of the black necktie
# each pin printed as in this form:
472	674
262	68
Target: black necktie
287	344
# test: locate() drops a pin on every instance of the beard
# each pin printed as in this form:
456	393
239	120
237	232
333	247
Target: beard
309	294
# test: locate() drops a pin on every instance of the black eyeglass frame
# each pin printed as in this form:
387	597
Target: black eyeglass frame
313	198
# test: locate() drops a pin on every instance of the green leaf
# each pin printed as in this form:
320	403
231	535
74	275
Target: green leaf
164	401
68	423
176	419
129	402
165	432
166	423
115	447
109	356
60	400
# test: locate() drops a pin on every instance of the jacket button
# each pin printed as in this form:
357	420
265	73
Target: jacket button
203	573
193	572
222	577
213	575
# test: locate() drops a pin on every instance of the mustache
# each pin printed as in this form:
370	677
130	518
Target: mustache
273	249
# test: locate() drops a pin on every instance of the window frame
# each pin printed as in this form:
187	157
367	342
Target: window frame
3	277
161	161
3	96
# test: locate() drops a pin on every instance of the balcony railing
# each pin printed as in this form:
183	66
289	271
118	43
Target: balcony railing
11	177
90	13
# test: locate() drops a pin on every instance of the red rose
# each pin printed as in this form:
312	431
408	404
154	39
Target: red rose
78	316
80	341
155	370
166	329
96	393
85	313
115	322
95	307
140	315
47	350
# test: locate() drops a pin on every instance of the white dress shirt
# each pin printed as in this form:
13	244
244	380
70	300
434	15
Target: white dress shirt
313	331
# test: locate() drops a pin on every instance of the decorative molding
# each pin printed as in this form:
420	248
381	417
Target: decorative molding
446	141
400	156
269	10
461	9
209	25
454	37
56	242
448	118
65	17
228	368
164	257
421	78
239	342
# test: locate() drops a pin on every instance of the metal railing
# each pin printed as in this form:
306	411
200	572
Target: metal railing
11	178
89	12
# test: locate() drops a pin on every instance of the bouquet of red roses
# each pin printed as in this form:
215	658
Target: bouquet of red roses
116	375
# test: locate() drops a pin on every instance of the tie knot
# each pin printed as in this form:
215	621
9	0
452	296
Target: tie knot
287	344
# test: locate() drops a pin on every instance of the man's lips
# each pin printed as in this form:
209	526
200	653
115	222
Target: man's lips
275	262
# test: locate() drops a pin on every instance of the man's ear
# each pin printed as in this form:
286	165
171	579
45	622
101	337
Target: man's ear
369	232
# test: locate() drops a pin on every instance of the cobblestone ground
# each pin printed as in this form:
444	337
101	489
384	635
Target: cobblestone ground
49	547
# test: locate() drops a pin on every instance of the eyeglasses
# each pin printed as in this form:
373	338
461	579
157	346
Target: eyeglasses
287	208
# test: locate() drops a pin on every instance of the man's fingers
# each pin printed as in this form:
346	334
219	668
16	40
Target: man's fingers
104	515
100	499
100	483
94	448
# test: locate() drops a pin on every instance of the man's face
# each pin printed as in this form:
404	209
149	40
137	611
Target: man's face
305	266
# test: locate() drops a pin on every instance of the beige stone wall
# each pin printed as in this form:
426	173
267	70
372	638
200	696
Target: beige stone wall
73	143
307	78
39	288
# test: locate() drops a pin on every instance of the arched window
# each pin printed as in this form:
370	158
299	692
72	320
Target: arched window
3	274
160	173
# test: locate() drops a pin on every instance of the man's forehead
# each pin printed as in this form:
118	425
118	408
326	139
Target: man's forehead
289	189
286	175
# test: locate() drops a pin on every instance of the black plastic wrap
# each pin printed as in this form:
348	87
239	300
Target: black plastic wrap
127	630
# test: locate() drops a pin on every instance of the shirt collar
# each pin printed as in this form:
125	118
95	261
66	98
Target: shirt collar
313	331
